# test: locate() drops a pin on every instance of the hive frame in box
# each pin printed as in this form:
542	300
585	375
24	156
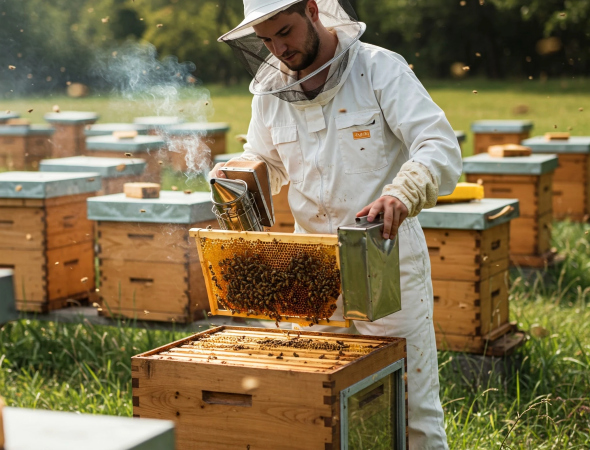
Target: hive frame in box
397	370
315	239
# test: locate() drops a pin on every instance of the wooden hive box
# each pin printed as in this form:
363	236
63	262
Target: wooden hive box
232	387
23	146
7	302
46	238
107	129
571	181
151	149
497	132
528	179
284	220
195	138
72	431
468	245
69	139
147	260
5	116
114	172
158	124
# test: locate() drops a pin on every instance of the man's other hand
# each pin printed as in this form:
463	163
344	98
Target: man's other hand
216	173
394	213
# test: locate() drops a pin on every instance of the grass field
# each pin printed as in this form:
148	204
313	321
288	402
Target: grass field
544	403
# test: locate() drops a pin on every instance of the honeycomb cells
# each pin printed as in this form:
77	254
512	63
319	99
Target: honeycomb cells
273	278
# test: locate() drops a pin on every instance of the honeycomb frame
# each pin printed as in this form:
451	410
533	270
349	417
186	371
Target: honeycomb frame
215	246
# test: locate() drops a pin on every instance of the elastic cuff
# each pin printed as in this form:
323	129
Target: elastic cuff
391	191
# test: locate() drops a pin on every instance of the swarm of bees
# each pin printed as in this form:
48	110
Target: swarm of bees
304	285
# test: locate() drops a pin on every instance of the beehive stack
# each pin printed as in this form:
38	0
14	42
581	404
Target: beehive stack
235	387
497	132
198	140
273	276
151	149
69	139
22	146
114	172
149	268
528	179
468	245
157	125
7	303
46	238
107	129
571	182
284	220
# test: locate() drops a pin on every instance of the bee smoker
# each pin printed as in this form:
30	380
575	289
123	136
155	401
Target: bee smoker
242	201
369	270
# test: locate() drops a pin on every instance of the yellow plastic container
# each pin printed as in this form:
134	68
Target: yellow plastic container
464	192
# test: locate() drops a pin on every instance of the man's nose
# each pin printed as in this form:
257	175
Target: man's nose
280	48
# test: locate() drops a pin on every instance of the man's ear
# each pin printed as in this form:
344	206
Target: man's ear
312	11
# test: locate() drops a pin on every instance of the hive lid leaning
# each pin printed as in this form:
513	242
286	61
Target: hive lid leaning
158	121
192	128
501	126
225	157
474	215
47	184
575	144
105	129
114	144
106	167
460	135
171	207
26	130
57	430
517	165
72	117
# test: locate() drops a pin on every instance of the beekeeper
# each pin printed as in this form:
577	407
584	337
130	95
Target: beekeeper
355	133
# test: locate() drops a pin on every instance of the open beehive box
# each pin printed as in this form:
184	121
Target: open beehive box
274	276
232	387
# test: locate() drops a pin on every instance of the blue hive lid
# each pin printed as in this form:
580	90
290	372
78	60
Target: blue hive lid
196	128
105	129
501	126
113	144
575	144
517	165
105	167
72	117
47	184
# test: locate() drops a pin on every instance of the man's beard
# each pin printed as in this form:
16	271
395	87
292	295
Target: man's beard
310	51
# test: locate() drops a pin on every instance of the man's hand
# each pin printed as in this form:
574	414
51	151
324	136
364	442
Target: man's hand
394	213
216	173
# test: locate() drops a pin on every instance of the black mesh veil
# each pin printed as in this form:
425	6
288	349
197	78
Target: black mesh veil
270	76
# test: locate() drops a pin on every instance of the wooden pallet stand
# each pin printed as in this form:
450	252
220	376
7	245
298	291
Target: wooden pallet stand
528	179
107	129
571	181
199	139
151	149
468	245
232	387
157	125
68	139
497	132
149	267
46	238
23	146
7	302
114	172
72	431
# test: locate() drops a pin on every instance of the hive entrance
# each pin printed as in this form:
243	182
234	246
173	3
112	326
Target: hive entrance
282	277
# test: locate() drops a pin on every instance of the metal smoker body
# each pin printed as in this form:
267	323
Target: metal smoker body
234	205
369	271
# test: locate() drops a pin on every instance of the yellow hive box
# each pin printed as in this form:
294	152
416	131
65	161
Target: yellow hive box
464	192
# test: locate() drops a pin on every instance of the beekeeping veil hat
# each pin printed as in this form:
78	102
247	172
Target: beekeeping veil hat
270	75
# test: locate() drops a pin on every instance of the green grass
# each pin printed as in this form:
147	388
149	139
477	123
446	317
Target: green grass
545	404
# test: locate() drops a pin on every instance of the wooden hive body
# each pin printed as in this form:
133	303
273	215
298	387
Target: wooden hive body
530	234
49	244
22	147
114	172
470	279
571	181
498	132
244	395
68	138
149	148
149	267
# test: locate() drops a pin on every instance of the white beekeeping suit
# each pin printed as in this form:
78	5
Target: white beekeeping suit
372	130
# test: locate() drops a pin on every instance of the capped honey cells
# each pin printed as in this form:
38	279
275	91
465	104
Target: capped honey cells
273	278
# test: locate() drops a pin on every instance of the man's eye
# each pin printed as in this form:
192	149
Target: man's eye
285	33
